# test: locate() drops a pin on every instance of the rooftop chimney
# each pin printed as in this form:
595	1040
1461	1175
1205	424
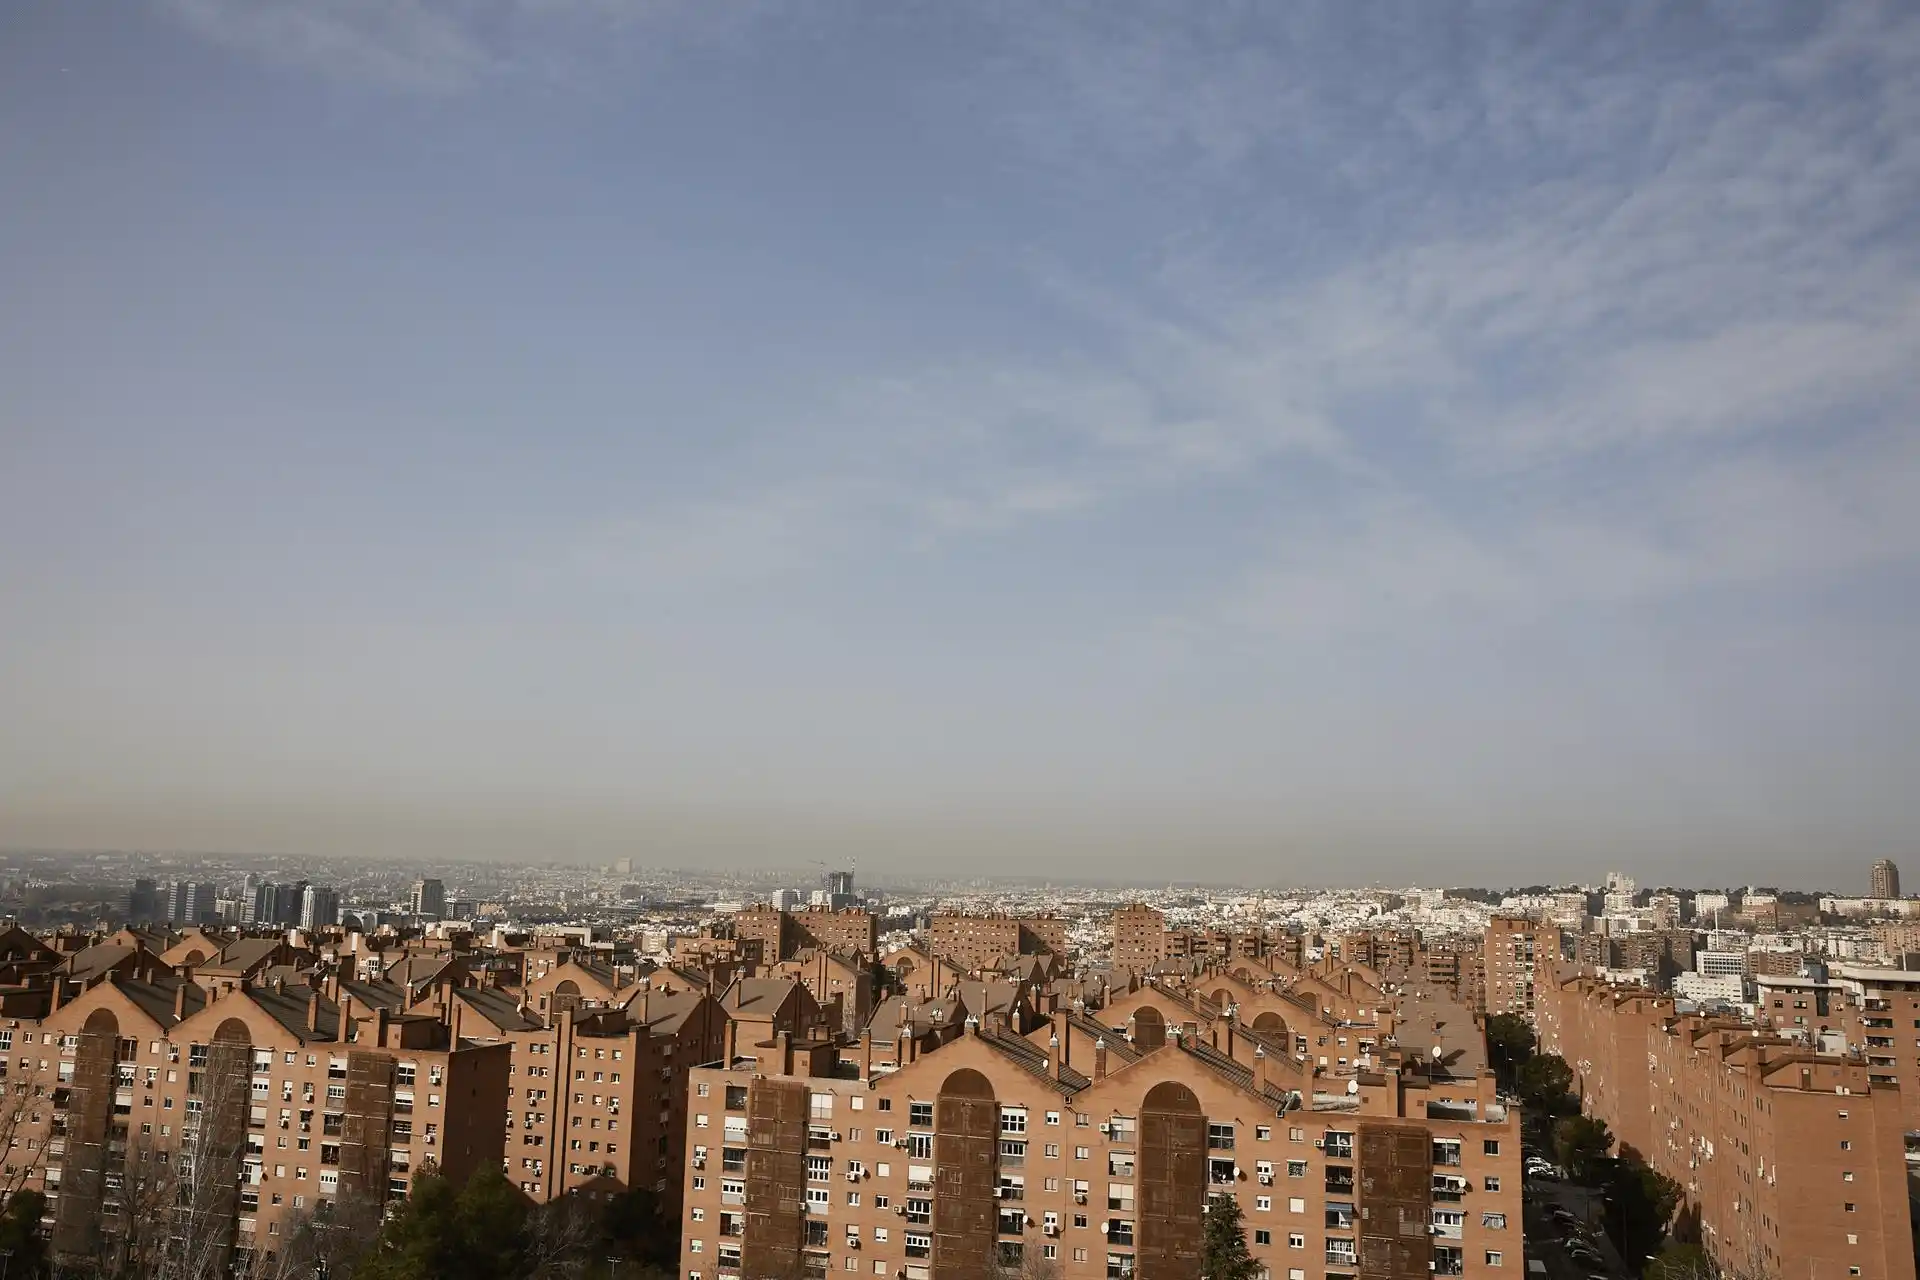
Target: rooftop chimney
1100	1058
313	1011
179	1000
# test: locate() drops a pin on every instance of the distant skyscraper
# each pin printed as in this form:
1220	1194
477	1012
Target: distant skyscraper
1886	879
784	899
838	883
190	902
143	902
319	907
429	899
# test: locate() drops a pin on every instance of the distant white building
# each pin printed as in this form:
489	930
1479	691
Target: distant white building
1733	988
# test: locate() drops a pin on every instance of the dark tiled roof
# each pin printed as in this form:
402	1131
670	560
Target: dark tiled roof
289	1009
1243	1076
665	1012
759	997
155	999
501	1008
378	994
99	958
243	955
1032	1060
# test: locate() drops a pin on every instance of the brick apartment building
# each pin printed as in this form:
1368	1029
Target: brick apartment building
309	1096
1662	954
1514	950
977	941
1792	1161
1092	1143
1139	938
780	935
1142	943
596	1094
284	1087
1384	949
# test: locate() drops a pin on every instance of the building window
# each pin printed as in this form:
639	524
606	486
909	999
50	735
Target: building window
1493	1258
1490	1146
1492	1183
1263	1237
1296	1241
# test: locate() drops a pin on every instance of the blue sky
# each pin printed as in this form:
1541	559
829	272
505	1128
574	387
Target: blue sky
1321	443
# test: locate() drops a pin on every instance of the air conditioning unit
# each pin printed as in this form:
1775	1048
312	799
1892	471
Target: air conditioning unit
834	1136
900	1209
1105	1127
853	1175
1320	1144
853	1242
1051	1229
1079	1197
900	1143
1266	1179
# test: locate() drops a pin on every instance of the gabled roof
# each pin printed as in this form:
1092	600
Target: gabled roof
415	970
665	1012
101	958
378	994
759	997
898	1012
289	1009
498	1007
156	998
243	956
16	944
1032	1060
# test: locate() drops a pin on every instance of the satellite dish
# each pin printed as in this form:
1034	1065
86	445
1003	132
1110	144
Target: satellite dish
1353	1086
1438	1053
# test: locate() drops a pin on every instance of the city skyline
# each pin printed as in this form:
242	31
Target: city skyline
1299	446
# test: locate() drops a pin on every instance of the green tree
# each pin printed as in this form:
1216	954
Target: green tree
1223	1244
1582	1142
20	1233
1545	1081
1642	1202
1510	1042
634	1228
474	1233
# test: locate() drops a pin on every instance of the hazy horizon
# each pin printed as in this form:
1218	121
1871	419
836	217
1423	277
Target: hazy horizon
1333	443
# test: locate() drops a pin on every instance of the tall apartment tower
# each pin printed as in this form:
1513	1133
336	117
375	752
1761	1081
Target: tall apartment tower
319	907
1514	951
1886	879
430	899
1139	938
189	902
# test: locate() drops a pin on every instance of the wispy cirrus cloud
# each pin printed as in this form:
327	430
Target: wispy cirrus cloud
411	45
444	47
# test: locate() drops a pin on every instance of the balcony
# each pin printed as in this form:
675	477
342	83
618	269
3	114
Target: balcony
1340	1253
1339	1182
